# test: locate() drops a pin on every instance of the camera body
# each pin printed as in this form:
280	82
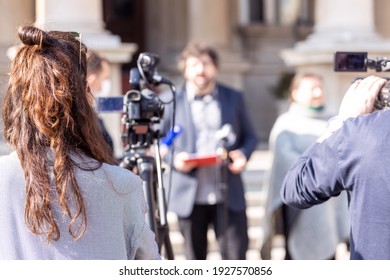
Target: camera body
359	62
140	106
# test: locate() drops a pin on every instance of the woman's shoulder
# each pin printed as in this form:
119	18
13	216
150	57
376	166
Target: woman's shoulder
10	168
121	176
118	170
9	161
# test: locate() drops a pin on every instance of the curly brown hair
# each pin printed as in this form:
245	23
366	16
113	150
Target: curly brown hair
47	110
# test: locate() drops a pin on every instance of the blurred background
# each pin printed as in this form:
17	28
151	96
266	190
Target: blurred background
261	42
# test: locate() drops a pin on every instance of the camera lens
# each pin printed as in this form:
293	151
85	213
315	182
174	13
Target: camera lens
133	95
383	99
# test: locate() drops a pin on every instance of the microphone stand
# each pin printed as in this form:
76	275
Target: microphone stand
223	211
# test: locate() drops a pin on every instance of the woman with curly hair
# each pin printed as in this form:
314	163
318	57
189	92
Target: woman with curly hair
61	194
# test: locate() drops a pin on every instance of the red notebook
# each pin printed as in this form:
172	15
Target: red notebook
204	160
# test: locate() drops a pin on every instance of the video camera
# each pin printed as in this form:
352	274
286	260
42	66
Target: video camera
142	111
359	62
141	107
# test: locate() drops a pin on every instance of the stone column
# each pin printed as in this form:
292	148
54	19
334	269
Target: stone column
85	17
382	19
12	14
344	21
346	25
270	12
209	21
205	17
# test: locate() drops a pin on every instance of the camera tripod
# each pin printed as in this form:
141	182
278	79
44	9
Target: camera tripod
150	170
223	211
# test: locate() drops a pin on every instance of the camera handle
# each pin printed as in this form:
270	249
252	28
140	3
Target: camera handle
223	211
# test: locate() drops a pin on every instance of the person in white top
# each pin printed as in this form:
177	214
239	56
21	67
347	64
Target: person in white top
311	233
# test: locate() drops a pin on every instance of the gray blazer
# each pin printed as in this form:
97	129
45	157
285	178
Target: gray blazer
233	112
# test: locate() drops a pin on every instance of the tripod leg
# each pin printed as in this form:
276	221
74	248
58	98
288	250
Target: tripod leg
165	243
223	212
151	177
168	248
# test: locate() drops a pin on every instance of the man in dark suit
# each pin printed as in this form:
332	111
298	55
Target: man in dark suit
212	116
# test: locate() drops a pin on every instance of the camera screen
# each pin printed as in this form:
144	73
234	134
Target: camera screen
350	61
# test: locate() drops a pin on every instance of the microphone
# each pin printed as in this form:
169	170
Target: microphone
167	141
134	78
172	134
226	135
157	80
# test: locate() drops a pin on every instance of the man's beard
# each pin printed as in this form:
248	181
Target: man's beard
203	85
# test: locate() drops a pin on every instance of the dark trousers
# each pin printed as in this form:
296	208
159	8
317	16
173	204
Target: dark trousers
195	227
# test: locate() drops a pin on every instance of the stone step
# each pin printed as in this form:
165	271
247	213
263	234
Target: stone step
252	254
177	241
255	198
255	211
255	218
253	178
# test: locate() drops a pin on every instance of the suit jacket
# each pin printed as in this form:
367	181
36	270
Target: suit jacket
184	185
354	159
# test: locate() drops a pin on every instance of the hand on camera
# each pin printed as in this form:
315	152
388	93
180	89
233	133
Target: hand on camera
360	97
